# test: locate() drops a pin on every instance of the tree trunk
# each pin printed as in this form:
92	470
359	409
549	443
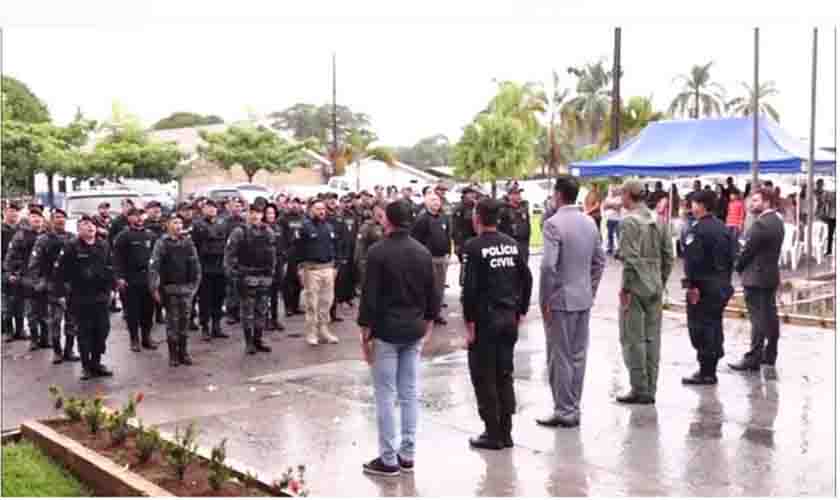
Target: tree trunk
358	176
250	176
697	104
50	193
493	189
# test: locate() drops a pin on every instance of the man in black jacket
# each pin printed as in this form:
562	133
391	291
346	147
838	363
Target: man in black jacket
496	291
12	293
399	302
132	251
15	267
210	234
434	231
515	221
758	265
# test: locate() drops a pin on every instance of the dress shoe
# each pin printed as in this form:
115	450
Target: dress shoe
632	398
102	371
555	421
743	366
699	379
135	345
485	442
86	375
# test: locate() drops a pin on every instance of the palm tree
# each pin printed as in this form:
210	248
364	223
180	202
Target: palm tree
554	140
357	148
743	105
522	102
635	116
592	103
698	94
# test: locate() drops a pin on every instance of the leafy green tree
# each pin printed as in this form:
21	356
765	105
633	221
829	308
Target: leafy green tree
428	152
523	102
743	105
635	116
495	146
699	96
182	119
20	104
590	106
253	149
590	152
306	121
359	146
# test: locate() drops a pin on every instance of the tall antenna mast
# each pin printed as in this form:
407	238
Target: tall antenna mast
334	120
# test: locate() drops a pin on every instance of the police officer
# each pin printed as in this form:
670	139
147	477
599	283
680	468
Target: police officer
371	232
175	270
344	222
85	264
433	230
185	210
16	266
496	293
132	251
647	254
282	242
120	222
251	257
12	292
292	287
45	254
318	247
155	223
234	219
516	221
709	260
210	234
462	225
102	220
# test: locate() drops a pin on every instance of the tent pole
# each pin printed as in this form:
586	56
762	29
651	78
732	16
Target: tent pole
755	116
810	198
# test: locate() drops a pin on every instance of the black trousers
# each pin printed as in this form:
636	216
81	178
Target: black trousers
490	360
211	293
292	288
764	323
832	224
524	249
93	327
139	308
705	326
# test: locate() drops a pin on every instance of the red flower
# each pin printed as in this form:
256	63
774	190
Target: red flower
294	486
139	397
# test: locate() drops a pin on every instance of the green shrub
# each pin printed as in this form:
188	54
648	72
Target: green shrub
148	441
27	472
181	453
218	472
94	414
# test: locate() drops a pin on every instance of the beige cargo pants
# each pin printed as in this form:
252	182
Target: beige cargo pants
439	267
318	293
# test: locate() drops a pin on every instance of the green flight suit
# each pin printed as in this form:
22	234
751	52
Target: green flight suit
647	253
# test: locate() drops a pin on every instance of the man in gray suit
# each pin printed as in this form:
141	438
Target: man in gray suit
758	265
572	265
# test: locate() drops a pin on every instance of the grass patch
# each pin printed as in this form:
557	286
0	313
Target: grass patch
27	472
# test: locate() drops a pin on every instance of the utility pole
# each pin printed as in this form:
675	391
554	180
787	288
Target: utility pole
615	140
334	121
810	197
755	117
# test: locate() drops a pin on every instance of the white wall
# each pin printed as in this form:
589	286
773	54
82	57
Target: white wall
375	172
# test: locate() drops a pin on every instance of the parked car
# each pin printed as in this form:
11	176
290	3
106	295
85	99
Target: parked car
248	192
81	203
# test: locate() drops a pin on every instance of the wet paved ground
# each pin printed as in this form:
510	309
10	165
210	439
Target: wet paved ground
752	435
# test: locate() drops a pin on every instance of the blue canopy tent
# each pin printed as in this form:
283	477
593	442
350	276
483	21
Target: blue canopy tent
710	146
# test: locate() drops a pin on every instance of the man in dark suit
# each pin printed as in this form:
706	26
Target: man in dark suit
758	265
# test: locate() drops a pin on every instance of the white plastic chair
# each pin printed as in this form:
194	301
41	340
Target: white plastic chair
786	256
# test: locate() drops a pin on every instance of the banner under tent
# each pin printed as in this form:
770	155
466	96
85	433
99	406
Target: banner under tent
693	148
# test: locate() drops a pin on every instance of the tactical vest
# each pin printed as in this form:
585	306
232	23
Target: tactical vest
139	250
255	250
94	273
176	267
216	238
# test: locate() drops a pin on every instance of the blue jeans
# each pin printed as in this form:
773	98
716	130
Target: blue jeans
395	375
613	233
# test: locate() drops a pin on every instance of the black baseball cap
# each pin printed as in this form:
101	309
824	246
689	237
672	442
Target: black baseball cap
134	211
35	210
211	203
14	205
59	211
152	204
184	206
86	218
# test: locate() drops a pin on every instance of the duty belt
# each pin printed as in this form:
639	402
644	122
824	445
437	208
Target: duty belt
317	265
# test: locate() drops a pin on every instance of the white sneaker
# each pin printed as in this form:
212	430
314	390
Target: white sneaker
311	340
330	338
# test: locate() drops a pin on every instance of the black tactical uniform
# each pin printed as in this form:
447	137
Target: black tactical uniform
210	237
709	260
515	221
158	227
250	258
292	287
16	263
42	268
282	235
345	230
174	270
233	292
88	271
496	291
12	293
132	252
462	226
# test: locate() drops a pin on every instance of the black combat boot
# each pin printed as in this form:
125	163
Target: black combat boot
20	334
183	355
8	327
506	428
174	359
216	331
98	368
58	356
135	340
205	333
44	341
147	341
233	316
33	336
250	348
68	349
258	341
490	439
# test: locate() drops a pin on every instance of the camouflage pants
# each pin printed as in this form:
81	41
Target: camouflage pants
56	313
232	296
177	316
36	316
253	306
13	309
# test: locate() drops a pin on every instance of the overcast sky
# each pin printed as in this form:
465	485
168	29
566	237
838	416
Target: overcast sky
413	77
